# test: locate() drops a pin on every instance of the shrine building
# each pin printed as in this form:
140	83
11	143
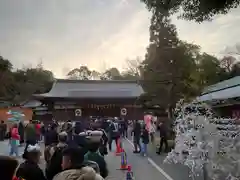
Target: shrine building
76	99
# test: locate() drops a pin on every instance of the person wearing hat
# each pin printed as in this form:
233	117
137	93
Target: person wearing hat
29	170
8	167
93	143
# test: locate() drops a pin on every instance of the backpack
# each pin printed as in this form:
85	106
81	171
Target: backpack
54	165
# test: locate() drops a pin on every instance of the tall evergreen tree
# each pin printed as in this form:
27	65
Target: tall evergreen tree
166	66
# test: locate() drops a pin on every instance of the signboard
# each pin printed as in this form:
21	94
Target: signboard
123	111
78	112
15	116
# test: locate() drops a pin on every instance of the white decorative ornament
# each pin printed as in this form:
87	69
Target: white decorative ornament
33	148
207	145
78	112
123	111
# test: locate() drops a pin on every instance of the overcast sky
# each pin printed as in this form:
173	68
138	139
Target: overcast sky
65	34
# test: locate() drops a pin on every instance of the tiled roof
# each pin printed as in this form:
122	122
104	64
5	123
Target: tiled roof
94	89
223	85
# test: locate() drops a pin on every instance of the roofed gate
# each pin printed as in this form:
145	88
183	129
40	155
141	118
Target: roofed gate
93	98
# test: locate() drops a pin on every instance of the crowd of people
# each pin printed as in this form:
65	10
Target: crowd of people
72	150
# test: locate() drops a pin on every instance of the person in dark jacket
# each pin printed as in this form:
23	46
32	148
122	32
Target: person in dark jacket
114	134
55	159
51	136
8	167
163	136
29	170
21	132
3	129
78	128
144	140
30	133
93	154
136	136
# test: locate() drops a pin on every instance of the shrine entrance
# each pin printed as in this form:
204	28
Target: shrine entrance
91	98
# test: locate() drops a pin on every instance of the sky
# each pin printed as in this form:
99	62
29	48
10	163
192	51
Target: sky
98	33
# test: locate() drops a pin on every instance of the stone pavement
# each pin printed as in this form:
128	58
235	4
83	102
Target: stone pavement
113	163
175	171
141	168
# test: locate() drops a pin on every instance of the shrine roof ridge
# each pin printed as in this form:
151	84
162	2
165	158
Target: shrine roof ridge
65	88
94	81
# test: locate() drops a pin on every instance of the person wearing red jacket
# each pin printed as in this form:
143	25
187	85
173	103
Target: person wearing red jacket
38	131
14	140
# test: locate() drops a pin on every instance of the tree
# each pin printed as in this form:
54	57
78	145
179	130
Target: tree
111	74
167	65
81	73
193	10
227	63
19	85
95	75
32	81
134	69
6	79
5	65
210	70
235	71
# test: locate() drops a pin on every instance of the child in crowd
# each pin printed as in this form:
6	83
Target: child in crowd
144	140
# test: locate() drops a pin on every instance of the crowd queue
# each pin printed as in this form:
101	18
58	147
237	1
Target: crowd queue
73	151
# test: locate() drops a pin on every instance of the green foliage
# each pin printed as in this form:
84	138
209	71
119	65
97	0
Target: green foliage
19	85
193	10
174	69
81	73
84	73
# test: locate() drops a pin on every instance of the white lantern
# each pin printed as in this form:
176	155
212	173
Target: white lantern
78	112
123	111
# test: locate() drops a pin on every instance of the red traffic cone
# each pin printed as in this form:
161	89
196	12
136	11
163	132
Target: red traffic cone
129	174
124	163
118	148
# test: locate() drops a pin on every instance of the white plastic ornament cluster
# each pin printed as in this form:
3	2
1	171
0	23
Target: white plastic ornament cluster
206	144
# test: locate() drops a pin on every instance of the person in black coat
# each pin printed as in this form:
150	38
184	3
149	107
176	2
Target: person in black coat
163	135
29	170
144	140
51	136
8	167
136	136
21	132
54	164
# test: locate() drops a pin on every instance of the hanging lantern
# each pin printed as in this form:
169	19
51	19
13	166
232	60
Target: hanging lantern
78	112
123	111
